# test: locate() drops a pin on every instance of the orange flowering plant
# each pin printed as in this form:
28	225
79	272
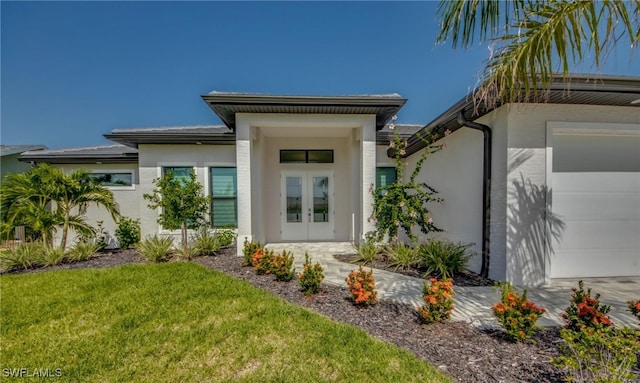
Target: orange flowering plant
261	261
362	287
516	314
311	277
634	308
585	311
282	266
438	301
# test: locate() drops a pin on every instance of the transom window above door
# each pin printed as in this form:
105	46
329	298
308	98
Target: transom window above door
302	156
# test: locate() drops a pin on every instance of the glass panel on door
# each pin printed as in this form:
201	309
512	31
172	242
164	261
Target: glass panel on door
321	199
294	199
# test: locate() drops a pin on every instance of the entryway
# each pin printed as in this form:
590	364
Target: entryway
307	208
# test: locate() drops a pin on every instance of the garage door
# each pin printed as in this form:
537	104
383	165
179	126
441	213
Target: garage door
595	193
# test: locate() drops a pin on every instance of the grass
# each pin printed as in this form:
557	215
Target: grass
182	322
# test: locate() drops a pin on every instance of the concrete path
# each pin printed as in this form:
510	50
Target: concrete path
472	304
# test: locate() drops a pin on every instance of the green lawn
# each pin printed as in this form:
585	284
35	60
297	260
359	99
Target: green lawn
180	322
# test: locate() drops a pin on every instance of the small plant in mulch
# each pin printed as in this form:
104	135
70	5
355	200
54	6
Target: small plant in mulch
261	261
248	249
516	314
362	287
634	308
282	266
310	277
438	301
585	311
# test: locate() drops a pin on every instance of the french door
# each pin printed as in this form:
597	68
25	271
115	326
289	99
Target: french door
306	207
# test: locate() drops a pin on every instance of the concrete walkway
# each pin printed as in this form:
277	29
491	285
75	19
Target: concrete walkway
472	304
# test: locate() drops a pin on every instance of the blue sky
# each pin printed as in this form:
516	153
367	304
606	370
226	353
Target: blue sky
72	71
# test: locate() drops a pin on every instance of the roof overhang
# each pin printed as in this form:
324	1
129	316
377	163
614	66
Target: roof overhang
90	155
226	105
576	90
194	136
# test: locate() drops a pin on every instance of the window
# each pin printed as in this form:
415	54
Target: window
306	156
178	172
113	178
224	197
385	176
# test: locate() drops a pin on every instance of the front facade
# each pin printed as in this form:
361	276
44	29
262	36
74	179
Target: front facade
564	178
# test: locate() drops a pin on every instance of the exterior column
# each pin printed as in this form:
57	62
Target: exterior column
243	167
368	172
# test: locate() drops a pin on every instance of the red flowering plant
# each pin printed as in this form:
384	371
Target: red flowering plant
516	314
438	301
634	308
585	311
362	287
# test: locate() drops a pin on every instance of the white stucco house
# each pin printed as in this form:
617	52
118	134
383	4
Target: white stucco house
545	190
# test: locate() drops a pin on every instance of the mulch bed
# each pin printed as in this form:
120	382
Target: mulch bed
457	348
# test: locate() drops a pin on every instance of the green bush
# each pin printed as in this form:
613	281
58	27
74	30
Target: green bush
311	277
156	249
226	237
367	250
51	256
128	232
585	311
262	261
282	266
602	354
81	251
444	258
186	253
24	256
248	249
206	243
517	315
402	256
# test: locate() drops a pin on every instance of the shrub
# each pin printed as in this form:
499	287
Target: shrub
402	256
156	249
249	248
634	308
99	237
262	261
51	256
128	232
81	251
367	250
362	288
438	301
516	314
602	354
186	252
585	311
226	237
444	258
24	256
206	243
282	266
311	277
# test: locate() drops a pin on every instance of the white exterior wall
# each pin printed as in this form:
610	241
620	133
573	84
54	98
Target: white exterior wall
152	158
126	197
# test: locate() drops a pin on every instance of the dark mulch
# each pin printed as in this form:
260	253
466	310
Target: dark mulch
100	260
382	262
457	348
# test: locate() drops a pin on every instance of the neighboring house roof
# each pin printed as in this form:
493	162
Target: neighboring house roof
203	134
227	104
108	154
7	150
578	89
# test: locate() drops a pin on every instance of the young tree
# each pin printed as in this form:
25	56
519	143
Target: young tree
44	198
182	204
531	40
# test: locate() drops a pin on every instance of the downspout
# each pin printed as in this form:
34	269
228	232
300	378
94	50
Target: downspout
486	190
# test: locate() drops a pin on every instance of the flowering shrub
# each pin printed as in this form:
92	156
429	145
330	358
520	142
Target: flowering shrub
634	308
248	249
362	287
438	301
516	314
585	311
310	277
261	261
282	266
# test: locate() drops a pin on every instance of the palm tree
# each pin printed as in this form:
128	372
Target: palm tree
44	198
533	40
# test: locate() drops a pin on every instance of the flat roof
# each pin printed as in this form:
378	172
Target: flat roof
107	154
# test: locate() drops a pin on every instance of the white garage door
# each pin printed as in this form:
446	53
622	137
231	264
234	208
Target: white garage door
595	193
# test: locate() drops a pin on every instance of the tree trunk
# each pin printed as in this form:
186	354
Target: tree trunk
185	243
65	230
